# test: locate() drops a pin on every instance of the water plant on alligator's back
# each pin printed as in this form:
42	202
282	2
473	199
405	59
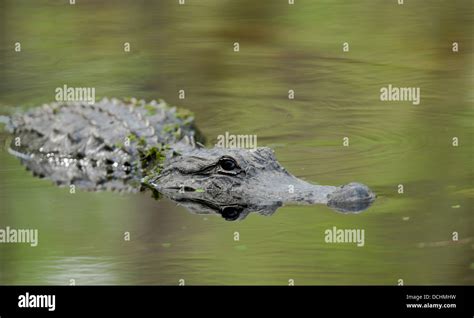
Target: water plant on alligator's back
134	145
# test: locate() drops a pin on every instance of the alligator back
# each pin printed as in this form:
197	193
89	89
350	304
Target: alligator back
98	146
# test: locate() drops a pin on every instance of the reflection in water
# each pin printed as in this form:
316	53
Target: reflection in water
79	270
240	209
237	207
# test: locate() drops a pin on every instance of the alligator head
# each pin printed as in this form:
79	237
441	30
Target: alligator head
235	182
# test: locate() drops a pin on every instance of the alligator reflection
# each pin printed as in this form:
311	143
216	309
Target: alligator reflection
240	208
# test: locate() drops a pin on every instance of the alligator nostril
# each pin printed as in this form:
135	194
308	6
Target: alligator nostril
231	213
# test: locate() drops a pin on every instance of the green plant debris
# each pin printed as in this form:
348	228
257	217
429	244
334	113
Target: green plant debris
142	142
152	160
184	114
151	110
132	137
170	128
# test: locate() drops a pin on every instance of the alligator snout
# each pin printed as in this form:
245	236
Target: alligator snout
352	197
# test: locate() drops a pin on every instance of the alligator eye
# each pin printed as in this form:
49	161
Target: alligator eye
231	213
227	164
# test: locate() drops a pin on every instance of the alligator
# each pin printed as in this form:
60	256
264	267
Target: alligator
133	145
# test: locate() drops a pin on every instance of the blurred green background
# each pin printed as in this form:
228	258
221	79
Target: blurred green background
282	47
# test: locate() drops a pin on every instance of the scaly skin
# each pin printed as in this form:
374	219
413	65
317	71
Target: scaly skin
96	146
129	146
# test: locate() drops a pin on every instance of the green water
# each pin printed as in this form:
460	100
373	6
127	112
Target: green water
282	47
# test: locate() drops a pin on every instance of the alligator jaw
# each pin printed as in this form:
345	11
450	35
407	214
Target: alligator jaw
350	198
267	196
